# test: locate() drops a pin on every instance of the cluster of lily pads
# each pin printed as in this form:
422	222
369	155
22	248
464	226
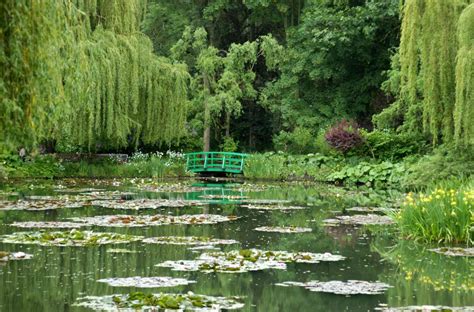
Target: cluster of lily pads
283	229
39	205
149	220
455	251
238	261
8	256
48	225
146	282
370	209
152	302
189	240
351	287
360	219
145	203
272	207
68	238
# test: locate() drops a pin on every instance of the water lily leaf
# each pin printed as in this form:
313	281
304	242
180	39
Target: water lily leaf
145	282
238	261
351	287
71	238
188	240
49	224
454	251
360	220
152	220
272	207
136	204
151	302
283	229
8	256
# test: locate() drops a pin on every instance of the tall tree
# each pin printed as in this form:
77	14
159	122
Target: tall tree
426	70
81	73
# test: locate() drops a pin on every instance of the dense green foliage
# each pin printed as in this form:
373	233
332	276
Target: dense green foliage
82	74
428	84
442	215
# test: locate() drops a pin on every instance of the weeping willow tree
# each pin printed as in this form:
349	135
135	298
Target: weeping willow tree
82	74
428	78
464	107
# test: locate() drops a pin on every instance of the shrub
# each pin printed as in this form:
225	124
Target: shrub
299	141
388	145
374	174
442	215
444	163
344	136
229	145
265	166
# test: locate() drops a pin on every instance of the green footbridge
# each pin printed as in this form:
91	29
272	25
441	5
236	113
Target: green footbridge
225	162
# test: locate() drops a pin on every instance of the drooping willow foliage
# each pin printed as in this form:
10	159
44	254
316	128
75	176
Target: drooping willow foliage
80	72
428	76
464	107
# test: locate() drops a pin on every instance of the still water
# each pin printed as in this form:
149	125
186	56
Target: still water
56	277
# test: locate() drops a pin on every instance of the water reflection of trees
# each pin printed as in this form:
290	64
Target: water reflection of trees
420	276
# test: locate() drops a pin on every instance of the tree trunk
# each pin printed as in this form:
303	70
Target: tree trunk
207	118
227	124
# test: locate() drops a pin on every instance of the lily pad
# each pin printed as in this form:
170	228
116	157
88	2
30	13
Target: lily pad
39	205
121	251
454	251
189	240
273	207
238	261
360	220
48	224
146	282
151	220
139	301
369	209
136	204
351	287
266	201
283	229
8	256
223	197
71	238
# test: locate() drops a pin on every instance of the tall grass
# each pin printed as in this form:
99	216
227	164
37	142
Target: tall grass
140	165
443	214
265	166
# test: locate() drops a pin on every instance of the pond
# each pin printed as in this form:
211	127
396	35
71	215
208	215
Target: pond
257	247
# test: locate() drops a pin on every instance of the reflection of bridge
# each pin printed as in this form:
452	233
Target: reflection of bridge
215	162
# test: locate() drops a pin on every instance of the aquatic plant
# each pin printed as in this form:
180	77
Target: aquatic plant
283	229
48	225
359	219
8	256
145	282
351	287
442	215
39	205
188	240
136	204
245	260
71	238
147	301
149	220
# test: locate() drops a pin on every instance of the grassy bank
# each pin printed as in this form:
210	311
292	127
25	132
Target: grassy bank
155	165
410	173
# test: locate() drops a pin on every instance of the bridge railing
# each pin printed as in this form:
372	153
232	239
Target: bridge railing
215	162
